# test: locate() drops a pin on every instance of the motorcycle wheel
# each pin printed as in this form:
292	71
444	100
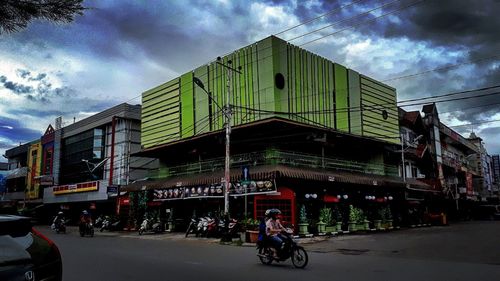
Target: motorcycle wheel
92	232
101	229
265	255
299	257
141	231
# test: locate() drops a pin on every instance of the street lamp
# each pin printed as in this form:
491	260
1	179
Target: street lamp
415	141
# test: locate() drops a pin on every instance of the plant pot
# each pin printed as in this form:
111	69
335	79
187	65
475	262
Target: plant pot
330	229
360	226
321	227
339	226
378	224
351	226
252	236
389	224
303	228
366	225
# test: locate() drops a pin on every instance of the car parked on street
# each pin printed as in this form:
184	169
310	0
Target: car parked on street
25	253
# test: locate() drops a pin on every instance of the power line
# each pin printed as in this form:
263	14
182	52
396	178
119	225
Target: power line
477	123
318	17
374	19
345	20
440	68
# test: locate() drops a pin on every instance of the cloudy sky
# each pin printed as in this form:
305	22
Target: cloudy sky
119	49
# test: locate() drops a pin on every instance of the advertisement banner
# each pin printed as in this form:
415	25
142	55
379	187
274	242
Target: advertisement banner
242	188
76	188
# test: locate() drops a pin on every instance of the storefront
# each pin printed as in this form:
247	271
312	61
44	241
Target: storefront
74	198
277	186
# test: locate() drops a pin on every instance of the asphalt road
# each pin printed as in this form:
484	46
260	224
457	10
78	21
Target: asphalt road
469	251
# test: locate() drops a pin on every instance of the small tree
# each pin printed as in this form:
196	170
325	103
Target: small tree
326	216
303	214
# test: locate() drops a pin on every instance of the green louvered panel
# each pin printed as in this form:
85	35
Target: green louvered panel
342	98
187	106
354	102
160	114
375	98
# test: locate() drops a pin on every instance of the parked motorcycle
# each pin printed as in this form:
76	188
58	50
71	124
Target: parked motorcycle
150	225
290	250
86	229
231	227
98	222
109	225
192	227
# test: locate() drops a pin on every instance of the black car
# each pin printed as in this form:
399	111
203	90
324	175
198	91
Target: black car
25	253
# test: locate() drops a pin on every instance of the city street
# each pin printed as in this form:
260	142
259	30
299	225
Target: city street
465	251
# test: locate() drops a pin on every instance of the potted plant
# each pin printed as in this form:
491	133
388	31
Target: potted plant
361	220
303	221
378	215
325	220
252	230
353	218
365	222
338	219
387	218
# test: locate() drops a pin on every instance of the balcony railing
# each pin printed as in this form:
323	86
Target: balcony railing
276	157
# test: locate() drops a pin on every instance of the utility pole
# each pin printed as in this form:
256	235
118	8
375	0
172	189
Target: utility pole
228	115
403	158
227	161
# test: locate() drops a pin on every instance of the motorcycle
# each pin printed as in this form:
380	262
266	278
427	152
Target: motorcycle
86	229
290	249
147	225
59	226
98	222
231	227
193	227
108	224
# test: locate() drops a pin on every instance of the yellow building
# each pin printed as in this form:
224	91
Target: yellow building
34	167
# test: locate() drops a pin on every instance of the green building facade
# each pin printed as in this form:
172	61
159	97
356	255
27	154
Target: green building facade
277	79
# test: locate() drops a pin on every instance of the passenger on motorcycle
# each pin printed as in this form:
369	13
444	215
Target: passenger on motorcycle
274	229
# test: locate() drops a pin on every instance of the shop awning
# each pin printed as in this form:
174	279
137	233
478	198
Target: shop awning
279	171
17	173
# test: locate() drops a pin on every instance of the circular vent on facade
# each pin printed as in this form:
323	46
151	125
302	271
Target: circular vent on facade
279	80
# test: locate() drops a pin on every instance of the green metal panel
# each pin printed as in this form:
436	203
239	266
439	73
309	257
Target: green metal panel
342	98
187	105
201	102
376	97
160	103
321	91
354	102
316	89
331	95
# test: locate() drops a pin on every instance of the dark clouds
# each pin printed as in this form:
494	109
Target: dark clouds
177	36
15	87
41	91
15	131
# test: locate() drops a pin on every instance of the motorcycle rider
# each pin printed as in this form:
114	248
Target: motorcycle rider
85	220
274	229
57	220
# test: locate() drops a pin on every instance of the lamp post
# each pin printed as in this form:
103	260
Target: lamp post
228	114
